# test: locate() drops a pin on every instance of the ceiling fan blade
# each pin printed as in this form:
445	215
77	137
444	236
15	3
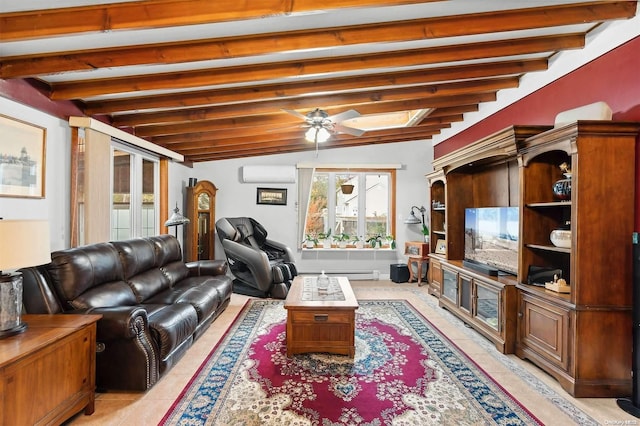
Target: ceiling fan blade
338	128
345	115
296	113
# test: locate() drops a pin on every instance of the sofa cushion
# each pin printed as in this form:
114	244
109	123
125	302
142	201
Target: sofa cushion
149	283
76	270
137	255
203	298
175	271
171	325
116	293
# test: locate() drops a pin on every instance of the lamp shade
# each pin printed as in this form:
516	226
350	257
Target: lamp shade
24	243
176	218
412	219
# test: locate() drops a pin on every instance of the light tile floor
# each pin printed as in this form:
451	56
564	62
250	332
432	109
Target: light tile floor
540	393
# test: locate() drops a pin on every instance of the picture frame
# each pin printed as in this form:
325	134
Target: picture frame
22	159
441	246
272	196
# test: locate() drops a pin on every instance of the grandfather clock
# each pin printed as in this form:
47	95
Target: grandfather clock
199	236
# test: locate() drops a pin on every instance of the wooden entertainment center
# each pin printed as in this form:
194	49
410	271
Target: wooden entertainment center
582	338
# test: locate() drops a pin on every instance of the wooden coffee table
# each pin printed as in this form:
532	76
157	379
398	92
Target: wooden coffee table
321	321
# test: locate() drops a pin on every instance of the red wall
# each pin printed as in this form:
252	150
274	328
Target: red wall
613	78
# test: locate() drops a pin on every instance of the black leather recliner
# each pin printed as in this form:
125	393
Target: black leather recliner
261	267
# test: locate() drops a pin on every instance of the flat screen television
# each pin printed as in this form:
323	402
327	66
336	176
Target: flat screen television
491	237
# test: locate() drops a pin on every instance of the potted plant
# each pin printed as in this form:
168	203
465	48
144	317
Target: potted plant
375	241
358	242
310	241
341	239
425	232
325	238
390	241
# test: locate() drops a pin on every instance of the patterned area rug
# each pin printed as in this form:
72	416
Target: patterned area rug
405	372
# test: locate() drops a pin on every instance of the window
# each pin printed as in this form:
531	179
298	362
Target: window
358	204
134	207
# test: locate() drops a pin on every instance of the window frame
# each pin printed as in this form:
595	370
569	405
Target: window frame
362	172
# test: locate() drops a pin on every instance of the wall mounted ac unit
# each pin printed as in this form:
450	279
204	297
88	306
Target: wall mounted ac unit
268	174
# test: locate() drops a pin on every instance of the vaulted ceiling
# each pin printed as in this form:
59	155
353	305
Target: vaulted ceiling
211	79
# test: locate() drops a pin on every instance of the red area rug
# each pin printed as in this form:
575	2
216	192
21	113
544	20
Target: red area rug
404	372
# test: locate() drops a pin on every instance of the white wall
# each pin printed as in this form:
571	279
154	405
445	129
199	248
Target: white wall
55	205
239	199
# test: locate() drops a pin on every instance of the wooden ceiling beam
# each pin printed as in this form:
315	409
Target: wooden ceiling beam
276	135
212	156
352	98
233	47
277	118
169	141
326	86
160	14
300	141
266	72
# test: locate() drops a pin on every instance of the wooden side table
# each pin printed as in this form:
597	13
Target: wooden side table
419	260
417	252
47	373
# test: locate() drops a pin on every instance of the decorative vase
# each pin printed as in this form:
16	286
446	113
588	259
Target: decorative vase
562	188
561	238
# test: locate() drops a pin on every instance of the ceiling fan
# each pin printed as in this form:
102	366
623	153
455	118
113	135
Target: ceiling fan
322	125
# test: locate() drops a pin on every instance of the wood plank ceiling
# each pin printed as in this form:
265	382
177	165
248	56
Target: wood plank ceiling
210	79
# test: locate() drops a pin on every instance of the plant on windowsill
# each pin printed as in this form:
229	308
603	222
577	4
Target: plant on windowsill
325	237
358	242
390	242
375	241
310	241
341	239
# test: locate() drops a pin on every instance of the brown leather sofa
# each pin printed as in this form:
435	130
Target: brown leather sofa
153	305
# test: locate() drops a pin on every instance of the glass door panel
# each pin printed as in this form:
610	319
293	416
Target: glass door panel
465	293
121	221
487	304
450	285
148	206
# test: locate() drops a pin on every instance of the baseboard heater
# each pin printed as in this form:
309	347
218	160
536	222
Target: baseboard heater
351	275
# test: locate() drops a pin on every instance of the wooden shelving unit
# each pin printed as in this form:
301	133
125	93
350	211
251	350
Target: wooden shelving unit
583	338
483	174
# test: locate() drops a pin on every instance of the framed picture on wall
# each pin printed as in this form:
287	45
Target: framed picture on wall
22	158
274	196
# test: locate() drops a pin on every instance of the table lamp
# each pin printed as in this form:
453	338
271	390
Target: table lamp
22	243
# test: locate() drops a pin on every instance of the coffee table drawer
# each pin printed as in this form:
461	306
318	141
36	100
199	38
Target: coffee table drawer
321	317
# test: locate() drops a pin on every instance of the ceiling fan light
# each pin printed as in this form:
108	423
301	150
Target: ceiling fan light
317	134
310	134
323	135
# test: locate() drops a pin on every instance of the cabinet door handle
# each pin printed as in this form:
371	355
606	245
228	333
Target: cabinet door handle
321	317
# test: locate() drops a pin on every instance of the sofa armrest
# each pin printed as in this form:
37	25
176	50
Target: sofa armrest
207	267
120	322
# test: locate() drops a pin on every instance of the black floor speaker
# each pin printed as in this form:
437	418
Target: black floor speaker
632	405
399	273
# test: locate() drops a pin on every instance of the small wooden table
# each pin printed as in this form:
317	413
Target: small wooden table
320	321
418	253
47	373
